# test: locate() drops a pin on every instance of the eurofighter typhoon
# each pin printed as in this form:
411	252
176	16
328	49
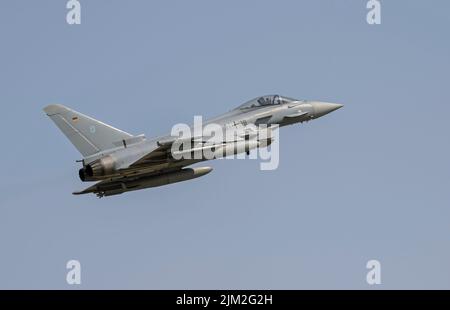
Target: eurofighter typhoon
120	162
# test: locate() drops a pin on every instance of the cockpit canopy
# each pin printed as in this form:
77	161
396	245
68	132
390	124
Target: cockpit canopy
265	101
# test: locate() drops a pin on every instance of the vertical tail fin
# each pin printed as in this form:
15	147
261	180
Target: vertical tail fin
88	135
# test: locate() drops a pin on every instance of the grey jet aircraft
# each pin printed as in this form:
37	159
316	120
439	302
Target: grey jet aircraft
121	162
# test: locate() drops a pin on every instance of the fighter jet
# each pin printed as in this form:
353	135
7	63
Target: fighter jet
120	162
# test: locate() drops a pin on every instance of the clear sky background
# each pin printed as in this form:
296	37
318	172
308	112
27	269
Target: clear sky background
370	181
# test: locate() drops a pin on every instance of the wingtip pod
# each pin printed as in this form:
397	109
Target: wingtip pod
200	171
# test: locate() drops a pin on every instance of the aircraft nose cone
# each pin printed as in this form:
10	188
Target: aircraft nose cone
322	108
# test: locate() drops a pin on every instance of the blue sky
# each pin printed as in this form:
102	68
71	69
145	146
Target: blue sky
369	181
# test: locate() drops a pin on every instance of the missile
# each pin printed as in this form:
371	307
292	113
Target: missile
214	151
103	189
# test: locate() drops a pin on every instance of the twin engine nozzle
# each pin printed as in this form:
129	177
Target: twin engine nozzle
98	168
